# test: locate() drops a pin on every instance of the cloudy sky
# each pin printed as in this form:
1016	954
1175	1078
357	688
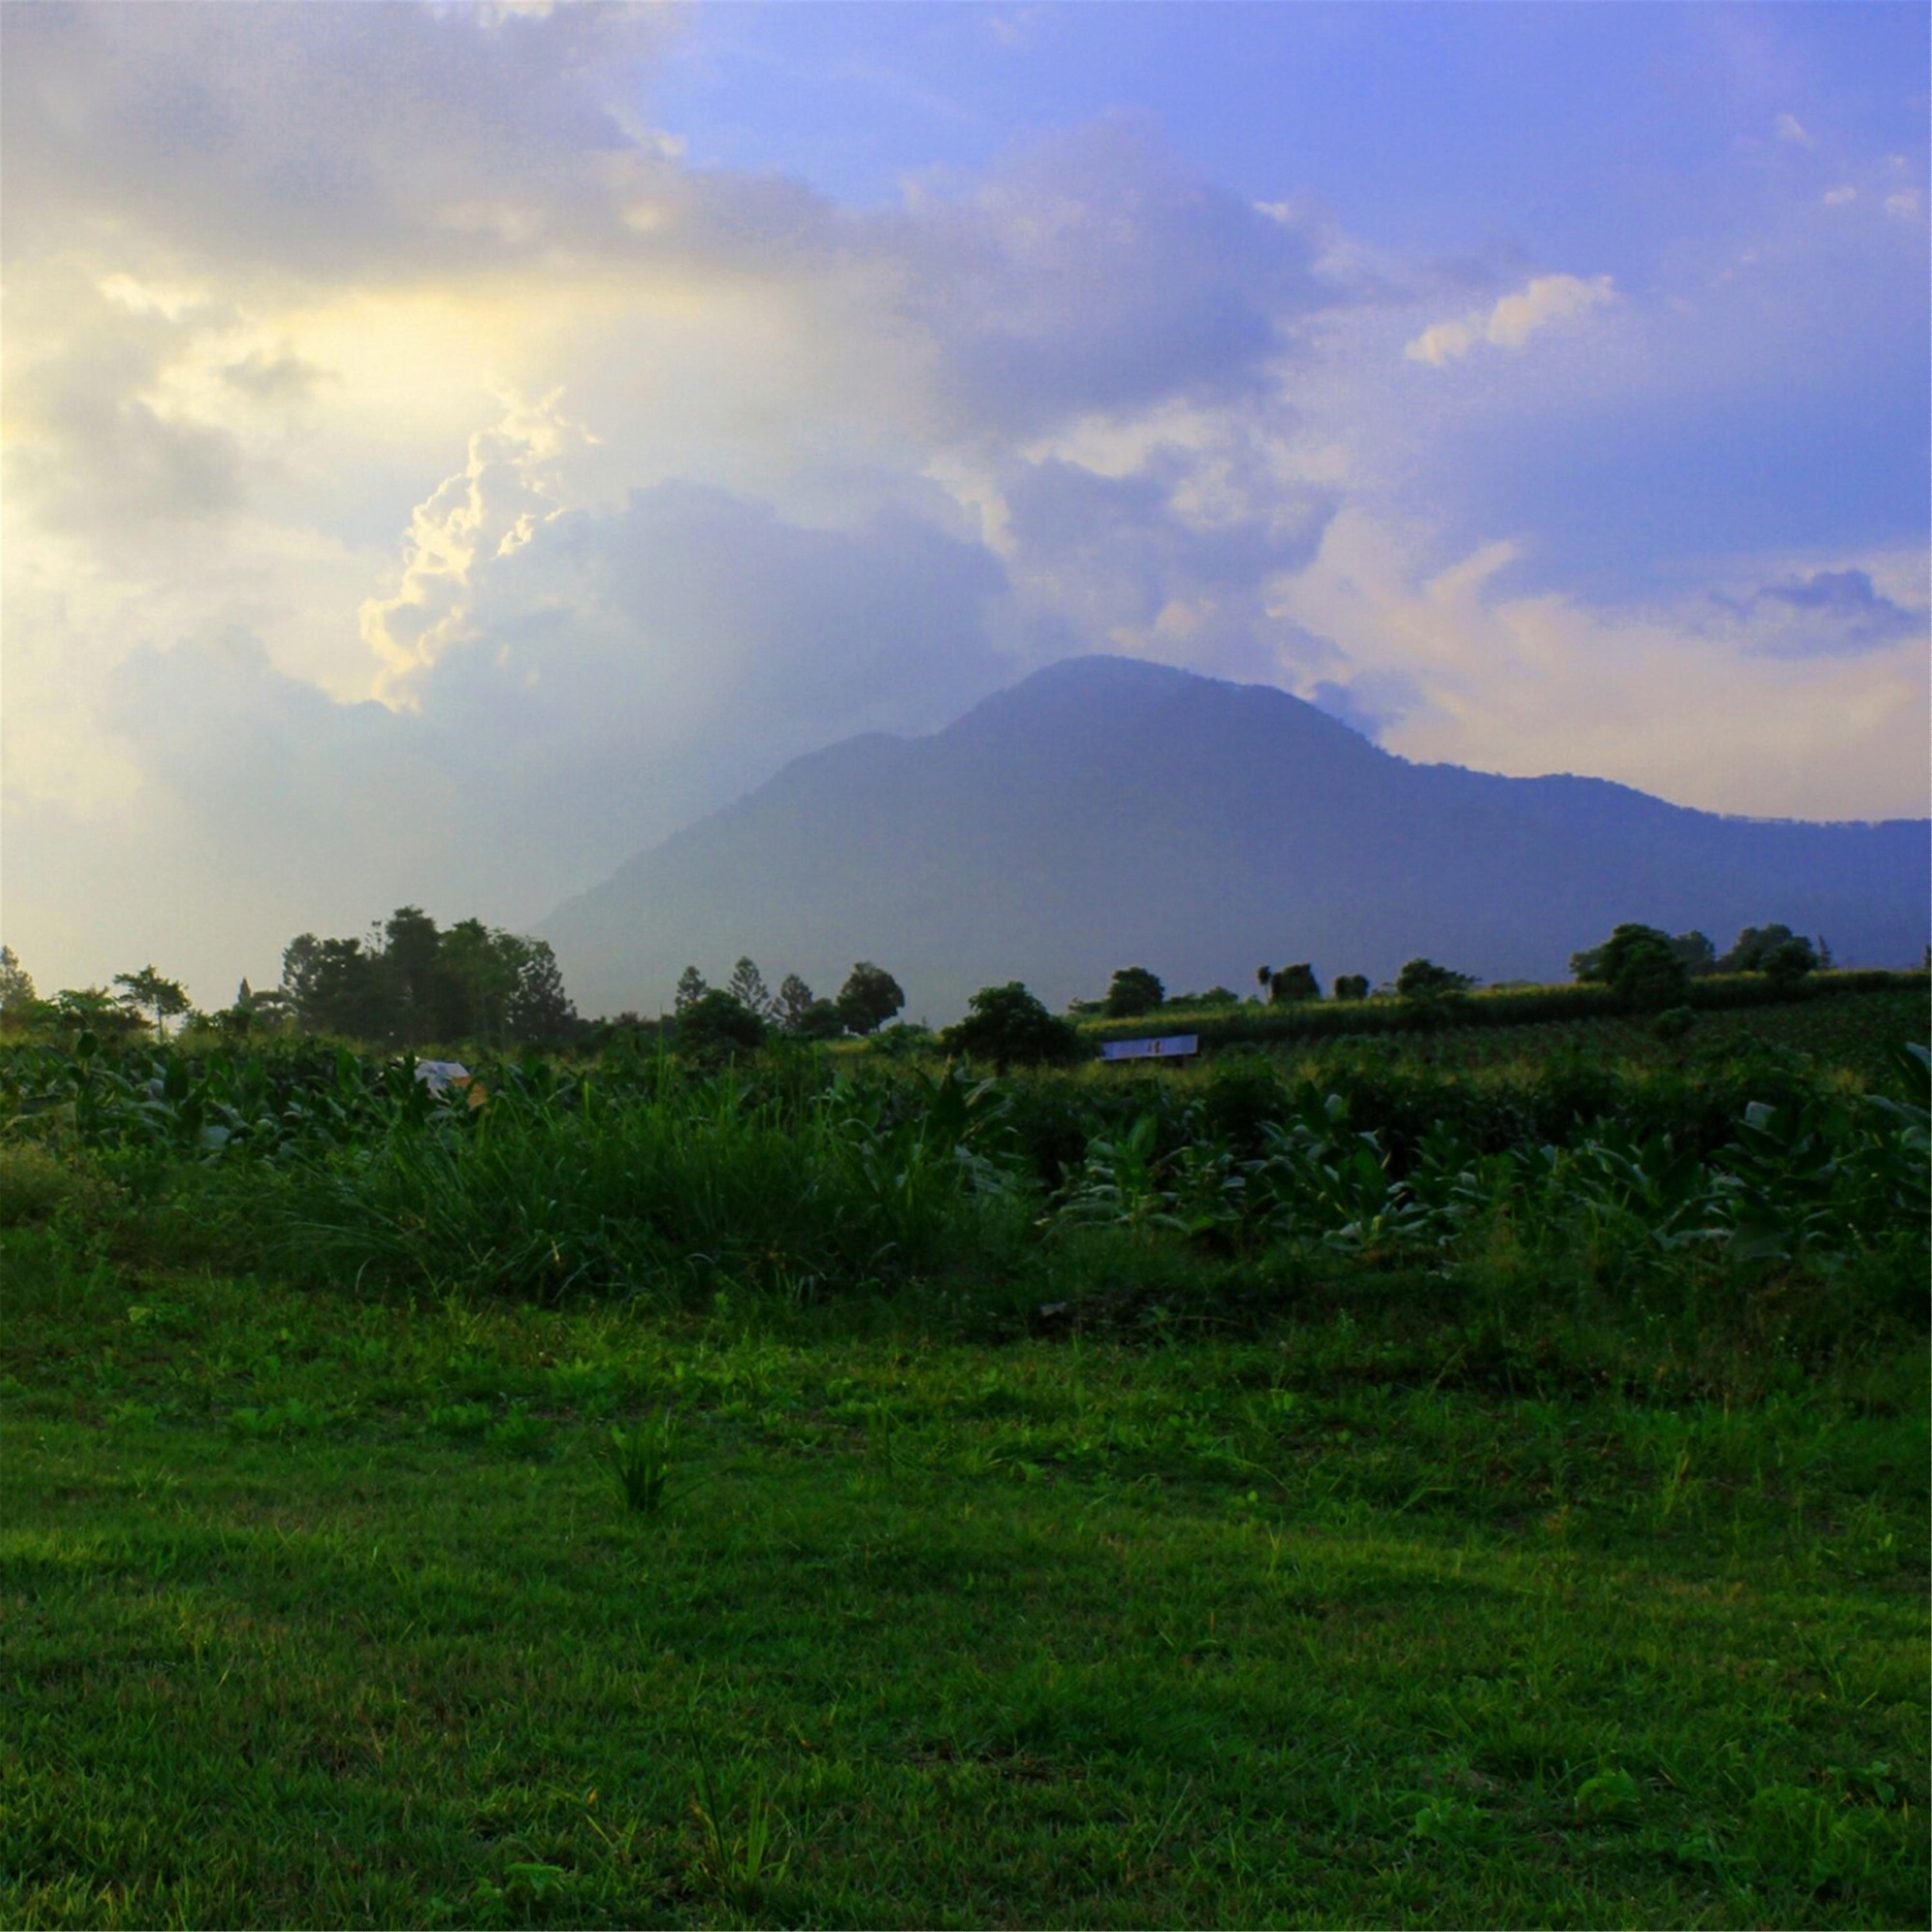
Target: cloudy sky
447	448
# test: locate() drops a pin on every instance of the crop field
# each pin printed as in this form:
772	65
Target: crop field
1365	1483
1859	1034
1847	1017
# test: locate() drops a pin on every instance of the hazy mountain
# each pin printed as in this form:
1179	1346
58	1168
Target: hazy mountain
1108	812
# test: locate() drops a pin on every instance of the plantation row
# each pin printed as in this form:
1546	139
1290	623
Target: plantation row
646	1176
1507	1006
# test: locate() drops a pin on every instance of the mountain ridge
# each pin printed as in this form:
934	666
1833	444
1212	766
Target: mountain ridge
1107	811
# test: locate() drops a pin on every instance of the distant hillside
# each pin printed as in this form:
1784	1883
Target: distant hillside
1108	812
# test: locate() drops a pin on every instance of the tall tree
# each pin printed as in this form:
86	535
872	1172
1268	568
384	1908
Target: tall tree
796	999
148	990
541	1011
691	989
416	993
17	1000
1294	982
485	968
333	986
869	997
16	982
747	986
94	1010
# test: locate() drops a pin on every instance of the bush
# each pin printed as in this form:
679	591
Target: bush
1135	991
1424	979
819	1020
1643	964
1008	1026
716	1026
1774	950
902	1042
1788	962
1292	983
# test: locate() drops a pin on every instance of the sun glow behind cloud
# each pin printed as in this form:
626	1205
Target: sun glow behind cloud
423	482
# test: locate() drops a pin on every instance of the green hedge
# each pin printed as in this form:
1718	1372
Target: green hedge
1254	1024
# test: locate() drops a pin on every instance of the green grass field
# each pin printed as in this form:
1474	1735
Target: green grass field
329	1611
951	1544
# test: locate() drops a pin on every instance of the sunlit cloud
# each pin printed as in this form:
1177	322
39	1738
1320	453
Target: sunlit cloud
1514	320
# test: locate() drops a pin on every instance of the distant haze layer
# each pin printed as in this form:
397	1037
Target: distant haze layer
1108	812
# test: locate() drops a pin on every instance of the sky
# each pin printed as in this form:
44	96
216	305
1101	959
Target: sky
448	449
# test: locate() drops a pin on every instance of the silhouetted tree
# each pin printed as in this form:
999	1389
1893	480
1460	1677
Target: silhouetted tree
484	968
716	1026
821	1020
796	999
541	1010
1007	1025
1292	983
94	1009
1788	962
148	990
1695	952
1424	979
869	997
747	986
691	989
1753	946
1641	963
1352	986
331	986
1134	990
16	984
420	1003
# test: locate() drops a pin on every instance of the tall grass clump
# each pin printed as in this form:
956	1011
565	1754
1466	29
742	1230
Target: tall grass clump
700	1184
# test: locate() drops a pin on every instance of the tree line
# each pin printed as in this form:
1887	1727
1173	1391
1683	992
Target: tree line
1649	966
408	983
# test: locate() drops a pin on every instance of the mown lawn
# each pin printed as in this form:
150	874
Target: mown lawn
325	1609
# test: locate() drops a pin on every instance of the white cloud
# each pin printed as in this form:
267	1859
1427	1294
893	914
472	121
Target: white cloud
1790	128
1443	342
1545	300
1839	197
490	507
1903	206
1678	697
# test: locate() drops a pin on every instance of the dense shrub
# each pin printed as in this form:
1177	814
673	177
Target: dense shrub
1008	1026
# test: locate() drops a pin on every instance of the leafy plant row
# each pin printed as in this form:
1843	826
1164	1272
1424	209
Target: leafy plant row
1498	1006
546	1182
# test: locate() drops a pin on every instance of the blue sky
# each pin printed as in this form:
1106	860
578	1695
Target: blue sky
449	448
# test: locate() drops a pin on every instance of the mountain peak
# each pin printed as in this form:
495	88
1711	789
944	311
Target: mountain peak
1107	811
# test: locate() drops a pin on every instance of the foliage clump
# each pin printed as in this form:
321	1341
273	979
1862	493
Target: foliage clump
717	1025
1008	1026
1424	980
869	997
1133	991
1642	963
